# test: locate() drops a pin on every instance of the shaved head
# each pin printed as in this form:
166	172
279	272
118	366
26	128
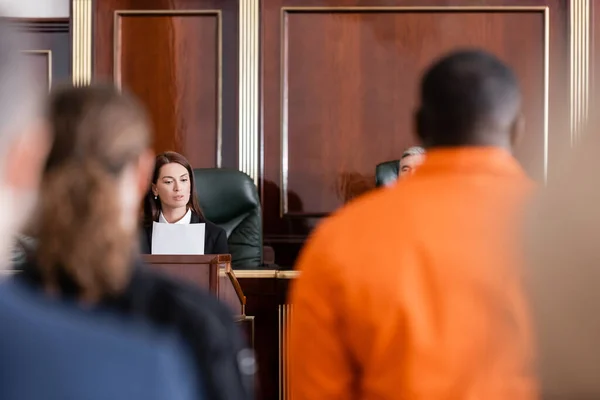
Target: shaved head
468	98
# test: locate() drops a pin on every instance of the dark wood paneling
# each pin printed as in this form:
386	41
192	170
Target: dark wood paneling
180	62
171	54
48	45
349	78
264	296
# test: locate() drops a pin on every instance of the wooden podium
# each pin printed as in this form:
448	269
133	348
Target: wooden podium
212	272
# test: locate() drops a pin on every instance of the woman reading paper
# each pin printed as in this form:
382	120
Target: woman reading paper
172	199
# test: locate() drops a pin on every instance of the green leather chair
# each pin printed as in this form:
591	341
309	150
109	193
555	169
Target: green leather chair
387	173
229	198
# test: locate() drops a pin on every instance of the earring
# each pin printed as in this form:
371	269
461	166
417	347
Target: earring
155	197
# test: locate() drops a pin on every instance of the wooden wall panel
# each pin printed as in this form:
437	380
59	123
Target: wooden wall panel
48	47
342	86
41	61
350	88
177	62
171	55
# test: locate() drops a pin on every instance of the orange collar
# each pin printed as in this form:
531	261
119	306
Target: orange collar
478	160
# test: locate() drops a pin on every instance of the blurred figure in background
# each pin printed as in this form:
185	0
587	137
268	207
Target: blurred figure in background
49	351
175	341
411	159
434	310
389	172
24	138
563	245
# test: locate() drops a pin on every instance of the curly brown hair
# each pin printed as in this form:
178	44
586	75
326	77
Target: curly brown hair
98	133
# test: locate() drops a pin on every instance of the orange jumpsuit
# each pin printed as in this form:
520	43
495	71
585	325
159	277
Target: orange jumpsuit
414	292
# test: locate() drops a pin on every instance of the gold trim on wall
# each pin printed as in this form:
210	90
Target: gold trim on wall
81	19
251	319
579	49
265	274
284	78
285	317
546	89
248	91
48	54
117	58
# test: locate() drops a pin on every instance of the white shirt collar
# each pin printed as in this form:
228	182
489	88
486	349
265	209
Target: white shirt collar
187	218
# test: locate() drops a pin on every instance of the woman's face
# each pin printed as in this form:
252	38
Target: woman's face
172	186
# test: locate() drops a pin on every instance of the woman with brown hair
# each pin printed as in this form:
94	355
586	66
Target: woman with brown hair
172	199
86	231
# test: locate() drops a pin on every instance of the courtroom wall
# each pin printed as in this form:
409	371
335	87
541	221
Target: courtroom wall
308	96
47	25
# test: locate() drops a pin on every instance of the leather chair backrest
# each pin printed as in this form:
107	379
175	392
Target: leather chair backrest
387	173
229	198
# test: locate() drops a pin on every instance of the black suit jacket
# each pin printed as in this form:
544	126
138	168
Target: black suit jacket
215	238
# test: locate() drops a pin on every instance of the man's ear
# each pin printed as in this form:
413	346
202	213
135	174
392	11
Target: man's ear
145	170
26	156
517	130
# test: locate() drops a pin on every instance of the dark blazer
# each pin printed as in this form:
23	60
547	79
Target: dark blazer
215	238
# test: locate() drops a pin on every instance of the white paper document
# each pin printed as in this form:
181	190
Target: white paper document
178	239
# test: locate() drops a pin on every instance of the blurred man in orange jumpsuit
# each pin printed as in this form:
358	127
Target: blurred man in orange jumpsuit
414	292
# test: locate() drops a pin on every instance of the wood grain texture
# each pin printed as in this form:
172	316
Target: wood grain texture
171	55
207	271
351	89
264	296
341	85
175	70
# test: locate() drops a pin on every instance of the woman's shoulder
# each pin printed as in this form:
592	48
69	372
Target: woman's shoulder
214	228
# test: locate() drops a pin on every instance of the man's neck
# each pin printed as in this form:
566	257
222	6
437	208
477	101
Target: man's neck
173	215
475	143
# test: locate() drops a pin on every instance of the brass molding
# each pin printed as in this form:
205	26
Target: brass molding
415	8
48	54
285	11
248	318
257	273
265	274
288	274
579	49
285	317
81	42
117	58
248	91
